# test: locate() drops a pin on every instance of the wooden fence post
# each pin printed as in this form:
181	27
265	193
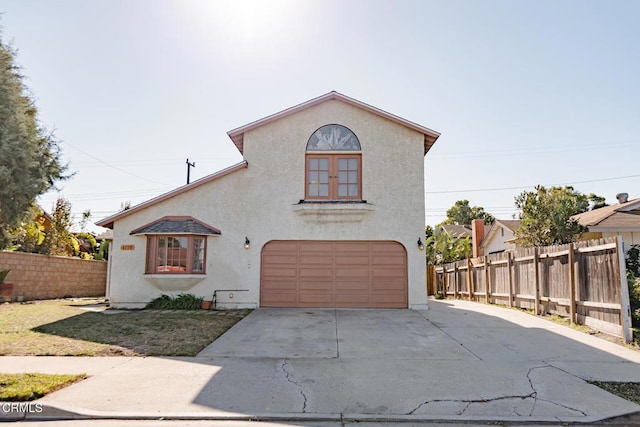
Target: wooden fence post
572	285
625	307
470	279
455	280
536	262
487	283
510	270
445	280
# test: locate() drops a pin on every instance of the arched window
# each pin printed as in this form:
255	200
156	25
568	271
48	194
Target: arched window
333	164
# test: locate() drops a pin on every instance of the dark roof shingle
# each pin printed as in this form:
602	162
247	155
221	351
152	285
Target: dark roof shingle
176	225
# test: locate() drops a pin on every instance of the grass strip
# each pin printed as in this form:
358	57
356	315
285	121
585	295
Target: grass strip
628	391
27	387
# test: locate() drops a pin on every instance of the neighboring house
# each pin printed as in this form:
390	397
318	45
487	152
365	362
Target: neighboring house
622	219
500	237
474	232
105	236
455	230
325	210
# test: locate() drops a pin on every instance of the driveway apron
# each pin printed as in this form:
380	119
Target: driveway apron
458	360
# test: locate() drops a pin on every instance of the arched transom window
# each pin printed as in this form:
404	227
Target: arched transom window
333	164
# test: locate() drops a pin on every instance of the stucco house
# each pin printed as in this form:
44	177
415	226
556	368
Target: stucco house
500	237
621	219
325	210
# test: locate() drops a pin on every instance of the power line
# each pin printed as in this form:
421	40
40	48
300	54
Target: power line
96	212
120	193
530	186
548	149
151	161
93	199
112	166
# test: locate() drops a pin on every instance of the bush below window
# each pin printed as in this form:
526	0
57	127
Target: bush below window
180	302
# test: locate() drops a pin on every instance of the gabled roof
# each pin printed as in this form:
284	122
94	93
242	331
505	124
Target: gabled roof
176	225
108	222
623	215
510	224
237	135
455	230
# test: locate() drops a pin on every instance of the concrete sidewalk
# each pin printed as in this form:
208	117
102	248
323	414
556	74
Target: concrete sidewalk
458	361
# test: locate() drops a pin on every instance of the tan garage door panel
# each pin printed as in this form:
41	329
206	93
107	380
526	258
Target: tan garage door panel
333	274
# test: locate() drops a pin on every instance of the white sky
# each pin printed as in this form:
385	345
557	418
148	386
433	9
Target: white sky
524	92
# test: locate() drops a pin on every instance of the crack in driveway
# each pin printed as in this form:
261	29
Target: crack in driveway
584	414
470	401
289	378
335	313
533	389
533	395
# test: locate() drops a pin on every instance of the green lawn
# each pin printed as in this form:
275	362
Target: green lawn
62	328
26	387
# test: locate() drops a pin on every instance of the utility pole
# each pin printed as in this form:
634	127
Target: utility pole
189	166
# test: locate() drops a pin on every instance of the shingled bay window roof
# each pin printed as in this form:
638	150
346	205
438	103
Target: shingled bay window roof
177	225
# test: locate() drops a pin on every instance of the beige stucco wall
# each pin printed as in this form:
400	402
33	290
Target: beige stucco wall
261	202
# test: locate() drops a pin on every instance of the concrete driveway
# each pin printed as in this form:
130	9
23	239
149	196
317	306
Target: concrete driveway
336	334
458	361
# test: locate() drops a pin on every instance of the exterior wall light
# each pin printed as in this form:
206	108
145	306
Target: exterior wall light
420	244
247	243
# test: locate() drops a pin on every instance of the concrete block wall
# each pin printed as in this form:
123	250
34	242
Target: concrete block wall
42	277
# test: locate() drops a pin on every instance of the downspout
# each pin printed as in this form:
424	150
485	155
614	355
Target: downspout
108	287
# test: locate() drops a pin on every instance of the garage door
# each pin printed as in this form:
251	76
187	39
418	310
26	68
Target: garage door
333	274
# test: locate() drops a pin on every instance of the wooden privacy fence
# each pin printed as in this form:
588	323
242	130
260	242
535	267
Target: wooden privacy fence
584	281
431	279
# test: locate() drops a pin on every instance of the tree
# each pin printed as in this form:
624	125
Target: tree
30	161
597	202
86	216
59	240
463	214
442	248
30	235
546	215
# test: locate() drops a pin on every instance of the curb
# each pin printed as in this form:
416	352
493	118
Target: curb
53	413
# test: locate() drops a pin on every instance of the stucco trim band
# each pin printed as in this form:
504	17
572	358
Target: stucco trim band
168	283
333	213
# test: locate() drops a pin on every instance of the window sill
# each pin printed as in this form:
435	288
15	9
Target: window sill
174	282
332	211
